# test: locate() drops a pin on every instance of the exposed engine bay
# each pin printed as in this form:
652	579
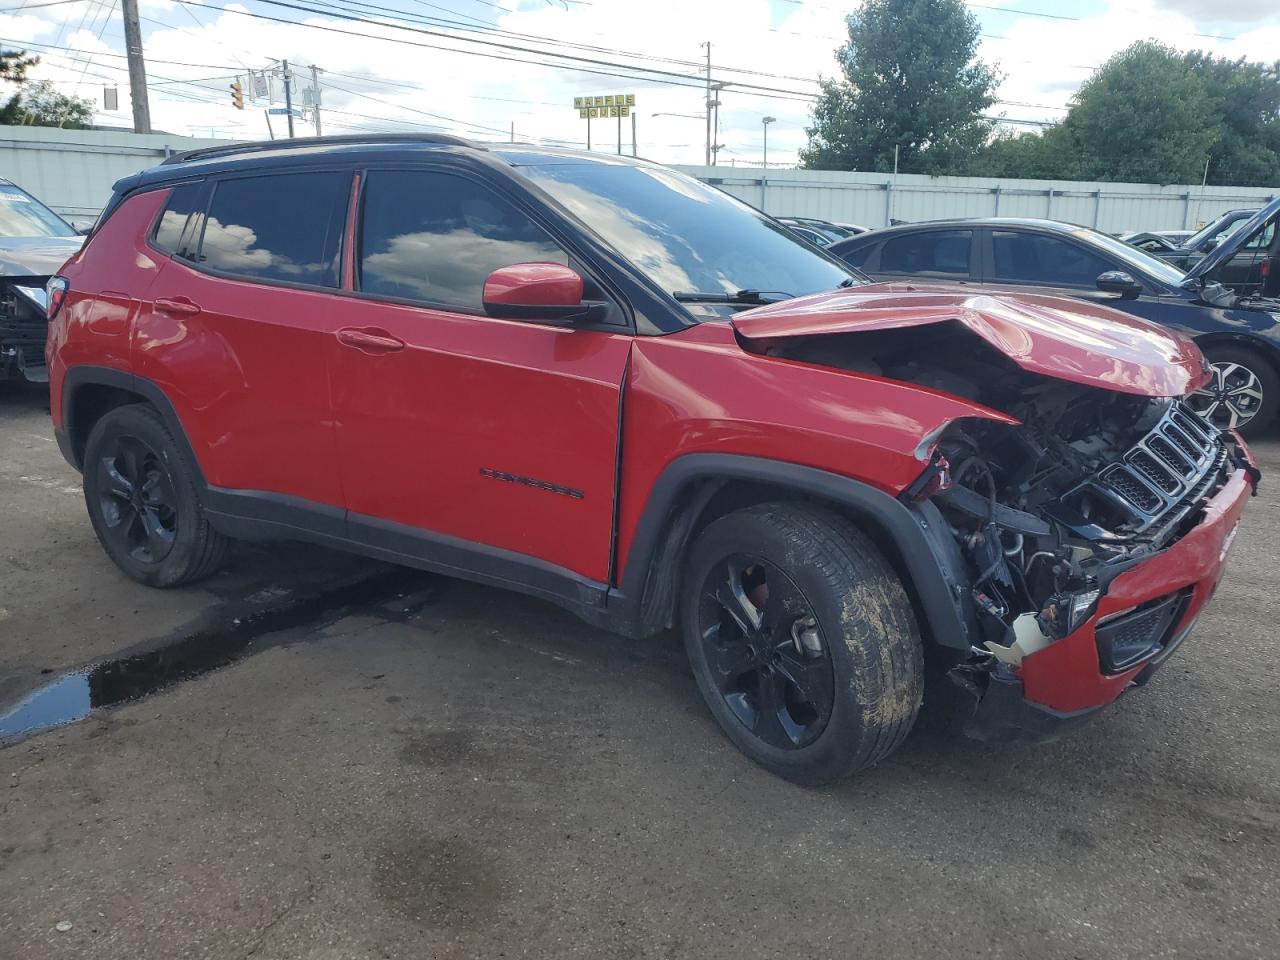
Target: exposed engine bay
23	328
1047	511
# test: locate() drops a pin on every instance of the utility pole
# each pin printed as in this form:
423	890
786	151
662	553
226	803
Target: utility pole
137	68
288	94
633	133
315	96
707	44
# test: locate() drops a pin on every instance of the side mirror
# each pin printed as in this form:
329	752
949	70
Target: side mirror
1119	282
548	292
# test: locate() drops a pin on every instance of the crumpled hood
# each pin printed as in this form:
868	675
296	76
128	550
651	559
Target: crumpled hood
1054	336
35	256
1229	247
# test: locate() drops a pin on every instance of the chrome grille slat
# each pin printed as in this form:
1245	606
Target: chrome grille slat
1163	474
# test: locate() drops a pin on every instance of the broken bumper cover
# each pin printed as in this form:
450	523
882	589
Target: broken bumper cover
1065	683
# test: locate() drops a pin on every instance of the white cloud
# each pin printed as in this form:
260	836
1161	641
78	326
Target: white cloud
374	84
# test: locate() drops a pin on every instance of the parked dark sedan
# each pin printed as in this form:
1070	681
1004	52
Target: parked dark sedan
1239	334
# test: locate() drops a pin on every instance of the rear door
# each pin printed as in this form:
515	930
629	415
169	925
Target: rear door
455	426
945	255
237	325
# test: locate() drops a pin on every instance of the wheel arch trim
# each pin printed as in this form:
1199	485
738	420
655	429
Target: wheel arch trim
78	377
918	534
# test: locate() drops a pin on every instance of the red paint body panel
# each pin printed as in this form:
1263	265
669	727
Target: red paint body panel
1066	675
93	325
1053	336
247	376
473	393
533	285
698	391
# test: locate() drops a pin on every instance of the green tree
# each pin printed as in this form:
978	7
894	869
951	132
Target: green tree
910	80
1245	111
40	105
1144	116
13	69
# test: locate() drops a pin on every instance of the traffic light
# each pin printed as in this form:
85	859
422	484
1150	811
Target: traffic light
237	95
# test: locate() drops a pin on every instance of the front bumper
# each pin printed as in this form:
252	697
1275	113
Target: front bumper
1065	683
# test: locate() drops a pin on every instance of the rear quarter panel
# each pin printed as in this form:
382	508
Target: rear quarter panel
107	280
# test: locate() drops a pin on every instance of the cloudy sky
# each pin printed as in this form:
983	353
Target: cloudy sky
476	67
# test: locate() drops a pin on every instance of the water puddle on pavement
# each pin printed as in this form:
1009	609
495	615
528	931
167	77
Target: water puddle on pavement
231	637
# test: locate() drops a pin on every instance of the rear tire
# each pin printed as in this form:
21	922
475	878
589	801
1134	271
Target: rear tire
820	672
141	493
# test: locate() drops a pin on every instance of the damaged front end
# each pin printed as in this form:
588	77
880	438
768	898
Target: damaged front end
1048	512
1060	518
24	327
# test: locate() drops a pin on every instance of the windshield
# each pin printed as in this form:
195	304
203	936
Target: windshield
1220	228
21	215
1138	259
687	236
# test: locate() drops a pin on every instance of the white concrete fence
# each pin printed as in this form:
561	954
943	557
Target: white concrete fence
73	170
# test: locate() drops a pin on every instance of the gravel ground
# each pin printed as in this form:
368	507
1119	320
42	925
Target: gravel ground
418	767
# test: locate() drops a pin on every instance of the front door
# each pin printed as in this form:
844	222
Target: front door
455	426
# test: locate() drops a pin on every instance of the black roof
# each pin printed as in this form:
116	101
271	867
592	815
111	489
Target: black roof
266	153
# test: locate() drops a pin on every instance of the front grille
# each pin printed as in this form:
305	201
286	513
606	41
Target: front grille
1132	637
1158	480
1127	483
1146	465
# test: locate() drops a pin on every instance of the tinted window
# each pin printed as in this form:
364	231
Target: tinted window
686	236
22	215
857	257
177	213
1039	258
436	237
285	227
937	253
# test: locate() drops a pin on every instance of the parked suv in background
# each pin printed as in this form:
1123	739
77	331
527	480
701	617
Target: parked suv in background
603	383
1240	334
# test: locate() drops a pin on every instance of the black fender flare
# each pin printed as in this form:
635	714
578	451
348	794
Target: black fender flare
78	377
929	557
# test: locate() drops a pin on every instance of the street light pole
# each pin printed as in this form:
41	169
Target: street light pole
764	168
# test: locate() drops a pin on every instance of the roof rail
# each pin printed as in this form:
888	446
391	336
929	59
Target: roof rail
258	146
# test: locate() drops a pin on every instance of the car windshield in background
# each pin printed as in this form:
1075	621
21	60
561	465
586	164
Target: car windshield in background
689	237
1138	259
21	215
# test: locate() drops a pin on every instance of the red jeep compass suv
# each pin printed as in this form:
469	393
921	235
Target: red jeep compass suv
606	384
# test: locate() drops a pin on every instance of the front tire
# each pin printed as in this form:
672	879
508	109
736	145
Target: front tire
802	640
1243	393
141	493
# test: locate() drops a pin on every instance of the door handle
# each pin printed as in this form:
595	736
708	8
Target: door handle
370	341
177	305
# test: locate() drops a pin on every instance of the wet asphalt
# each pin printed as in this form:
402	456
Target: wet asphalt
312	755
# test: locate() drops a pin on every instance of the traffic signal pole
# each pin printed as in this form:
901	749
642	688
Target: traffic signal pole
288	94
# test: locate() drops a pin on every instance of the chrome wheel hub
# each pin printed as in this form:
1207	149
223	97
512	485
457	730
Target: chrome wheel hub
1231	398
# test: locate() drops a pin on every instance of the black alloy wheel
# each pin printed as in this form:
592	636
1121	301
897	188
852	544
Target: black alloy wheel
762	642
136	499
142	491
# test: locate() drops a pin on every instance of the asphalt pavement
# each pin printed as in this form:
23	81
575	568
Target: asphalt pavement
315	756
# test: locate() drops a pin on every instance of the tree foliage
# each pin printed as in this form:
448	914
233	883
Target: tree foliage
1152	114
38	104
910	80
